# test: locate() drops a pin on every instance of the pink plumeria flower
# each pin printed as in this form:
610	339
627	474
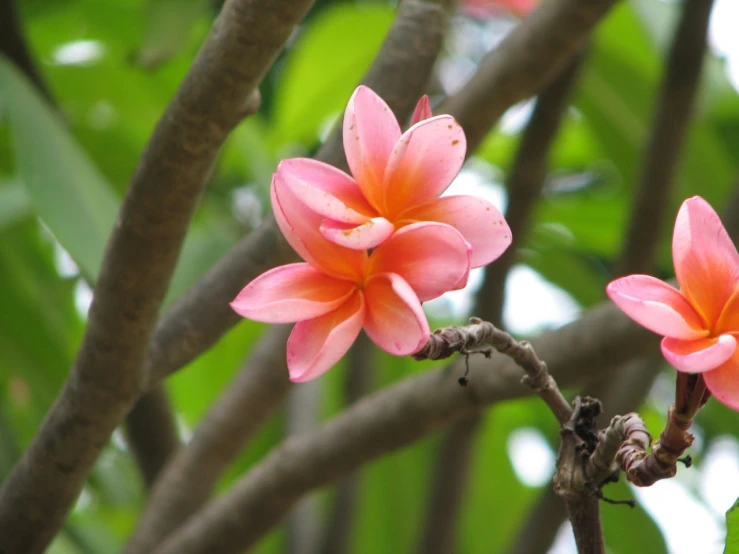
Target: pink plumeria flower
700	322
397	181
339	291
485	8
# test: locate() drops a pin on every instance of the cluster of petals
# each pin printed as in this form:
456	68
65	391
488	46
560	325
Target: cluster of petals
376	244
700	321
485	8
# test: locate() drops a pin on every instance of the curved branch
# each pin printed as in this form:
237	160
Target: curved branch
151	433
524	185
527	59
674	110
598	342
200	317
107	376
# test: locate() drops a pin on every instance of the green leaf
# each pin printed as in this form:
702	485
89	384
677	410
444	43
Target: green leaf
325	65
732	529
628	530
14	204
69	193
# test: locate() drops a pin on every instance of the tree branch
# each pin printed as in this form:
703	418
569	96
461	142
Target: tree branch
13	46
674	110
338	530
188	481
409	50
599	341
524	186
527	59
202	315
107	376
151	433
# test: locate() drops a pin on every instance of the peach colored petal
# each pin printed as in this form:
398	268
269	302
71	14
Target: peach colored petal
394	320
370	133
361	237
706	261
422	111
317	344
300	226
656	306
728	321
480	223
432	258
723	382
326	190
291	293
700	355
423	163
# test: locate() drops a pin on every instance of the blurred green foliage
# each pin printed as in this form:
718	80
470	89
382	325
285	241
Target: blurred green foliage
113	66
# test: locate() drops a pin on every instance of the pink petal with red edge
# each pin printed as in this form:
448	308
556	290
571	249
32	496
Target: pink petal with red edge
699	355
424	162
325	190
316	345
432	258
300	227
706	261
291	293
422	111
656	306
394	320
370	133
362	237
723	382
480	223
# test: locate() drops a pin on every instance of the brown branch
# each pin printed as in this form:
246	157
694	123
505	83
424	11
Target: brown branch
674	110
524	186
202	315
530	57
338	530
107	376
623	391
599	341
151	433
188	481
13	46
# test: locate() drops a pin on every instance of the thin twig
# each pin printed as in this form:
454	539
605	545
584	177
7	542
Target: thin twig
108	375
395	417
524	186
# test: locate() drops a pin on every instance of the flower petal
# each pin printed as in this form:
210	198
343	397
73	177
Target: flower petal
424	162
723	382
362	237
300	227
370	133
697	356
481	224
325	190
728	321
291	293
432	258
395	320
422	111
657	306
706	261
317	344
